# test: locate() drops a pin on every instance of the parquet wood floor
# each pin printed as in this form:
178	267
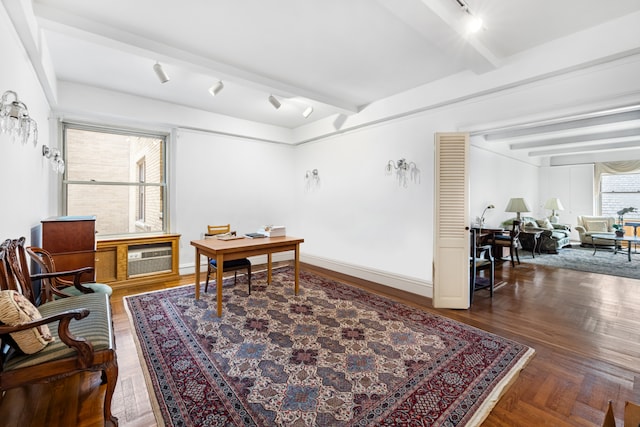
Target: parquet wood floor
584	327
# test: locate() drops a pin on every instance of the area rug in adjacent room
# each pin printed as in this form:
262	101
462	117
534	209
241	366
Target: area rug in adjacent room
583	259
334	355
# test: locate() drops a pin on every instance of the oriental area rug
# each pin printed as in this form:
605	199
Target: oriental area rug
334	355
604	261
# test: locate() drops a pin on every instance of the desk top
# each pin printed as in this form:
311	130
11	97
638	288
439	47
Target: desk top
217	245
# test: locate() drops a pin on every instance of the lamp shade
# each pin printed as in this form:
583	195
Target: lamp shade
517	204
554	204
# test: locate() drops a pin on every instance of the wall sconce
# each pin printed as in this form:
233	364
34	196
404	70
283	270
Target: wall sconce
54	155
15	120
312	178
404	171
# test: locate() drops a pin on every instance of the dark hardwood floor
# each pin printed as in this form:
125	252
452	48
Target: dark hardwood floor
584	327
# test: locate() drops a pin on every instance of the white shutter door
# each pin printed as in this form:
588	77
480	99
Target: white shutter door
451	235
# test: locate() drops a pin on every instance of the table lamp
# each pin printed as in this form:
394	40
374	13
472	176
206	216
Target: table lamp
481	222
517	204
555	205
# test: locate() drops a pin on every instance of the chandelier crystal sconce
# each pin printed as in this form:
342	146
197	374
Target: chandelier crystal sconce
54	155
15	120
312	178
405	171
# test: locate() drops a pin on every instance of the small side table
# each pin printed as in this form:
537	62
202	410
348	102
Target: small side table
536	236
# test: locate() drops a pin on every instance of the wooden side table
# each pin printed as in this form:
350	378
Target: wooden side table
536	237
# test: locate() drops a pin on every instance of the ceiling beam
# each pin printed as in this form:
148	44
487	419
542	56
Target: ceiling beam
441	23
588	148
96	32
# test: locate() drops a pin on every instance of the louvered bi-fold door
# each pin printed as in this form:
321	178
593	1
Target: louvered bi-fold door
451	233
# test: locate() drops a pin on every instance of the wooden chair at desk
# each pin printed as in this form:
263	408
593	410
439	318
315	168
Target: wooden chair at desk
233	265
480	258
511	241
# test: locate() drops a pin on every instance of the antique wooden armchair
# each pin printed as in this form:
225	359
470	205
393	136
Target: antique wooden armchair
62	287
81	327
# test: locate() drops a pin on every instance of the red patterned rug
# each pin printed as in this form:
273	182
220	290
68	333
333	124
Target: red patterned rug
334	355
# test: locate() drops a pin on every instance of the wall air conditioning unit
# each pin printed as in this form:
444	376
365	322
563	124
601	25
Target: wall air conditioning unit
149	259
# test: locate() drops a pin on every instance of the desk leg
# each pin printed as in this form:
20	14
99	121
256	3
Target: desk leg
197	273
268	268
629	252
297	268
219	271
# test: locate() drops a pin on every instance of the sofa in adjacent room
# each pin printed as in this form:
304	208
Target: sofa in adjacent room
588	225
553	237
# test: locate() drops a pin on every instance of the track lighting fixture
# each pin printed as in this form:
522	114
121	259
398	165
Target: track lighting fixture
274	101
216	88
162	76
307	112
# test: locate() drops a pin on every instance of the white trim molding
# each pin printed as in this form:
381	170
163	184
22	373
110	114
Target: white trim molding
397	281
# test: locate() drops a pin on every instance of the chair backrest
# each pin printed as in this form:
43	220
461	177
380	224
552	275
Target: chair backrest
45	261
218	229
515	230
14	269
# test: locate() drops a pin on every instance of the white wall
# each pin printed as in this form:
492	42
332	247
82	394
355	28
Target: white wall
220	179
494	179
27	195
360	220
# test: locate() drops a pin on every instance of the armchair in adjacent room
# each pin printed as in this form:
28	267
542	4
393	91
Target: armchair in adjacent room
588	225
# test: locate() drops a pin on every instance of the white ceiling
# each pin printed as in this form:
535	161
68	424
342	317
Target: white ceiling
335	55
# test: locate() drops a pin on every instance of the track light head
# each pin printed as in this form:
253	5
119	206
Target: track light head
216	88
162	76
307	112
274	101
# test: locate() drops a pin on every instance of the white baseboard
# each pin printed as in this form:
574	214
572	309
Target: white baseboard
397	281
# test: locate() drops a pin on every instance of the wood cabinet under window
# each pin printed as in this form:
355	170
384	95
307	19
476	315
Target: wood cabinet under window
71	240
127	261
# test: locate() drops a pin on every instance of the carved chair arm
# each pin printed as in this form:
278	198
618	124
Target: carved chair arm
56	276
82	346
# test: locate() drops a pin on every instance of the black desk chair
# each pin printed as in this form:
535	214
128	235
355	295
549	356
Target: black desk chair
480	258
233	265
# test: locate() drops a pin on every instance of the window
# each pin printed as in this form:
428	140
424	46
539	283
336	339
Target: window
117	175
619	191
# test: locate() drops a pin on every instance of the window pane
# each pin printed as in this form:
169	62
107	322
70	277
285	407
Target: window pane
110	157
116	175
620	191
115	207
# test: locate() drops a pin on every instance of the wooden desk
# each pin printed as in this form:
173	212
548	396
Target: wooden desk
223	250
